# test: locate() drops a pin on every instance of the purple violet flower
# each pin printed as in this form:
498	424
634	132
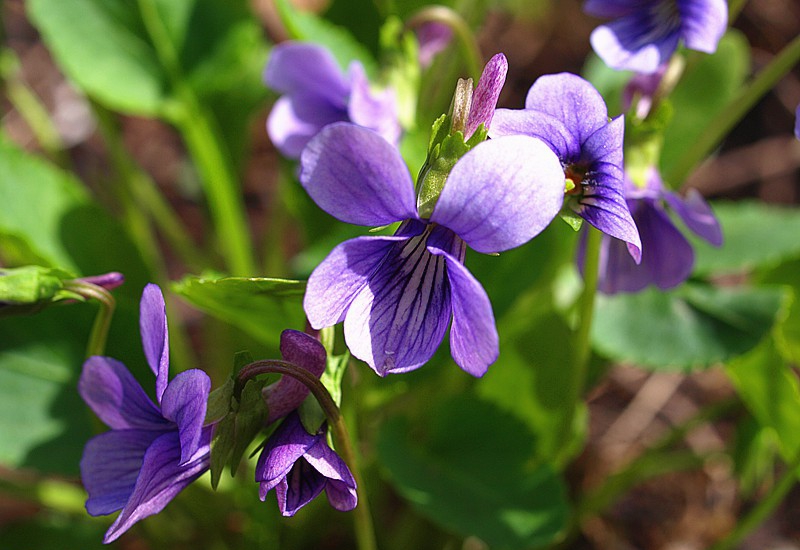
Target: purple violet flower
317	93
645	33
397	294
299	466
667	256
568	113
642	89
152	451
287	394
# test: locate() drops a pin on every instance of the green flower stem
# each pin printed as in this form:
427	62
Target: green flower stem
30	108
139	190
582	336
736	109
466	39
102	322
763	509
365	532
195	124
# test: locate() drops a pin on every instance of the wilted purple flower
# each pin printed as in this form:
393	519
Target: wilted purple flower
317	93
299	466
568	113
433	37
396	294
152	451
287	394
667	257
645	33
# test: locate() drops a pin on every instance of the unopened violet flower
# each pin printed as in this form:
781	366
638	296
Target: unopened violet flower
299	466
316	93
569	114
152	451
667	256
397	294
288	393
645	33
433	37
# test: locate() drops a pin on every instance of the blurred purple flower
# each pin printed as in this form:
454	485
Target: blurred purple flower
645	33
433	37
152	451
642	88
299	466
317	93
397	294
568	113
287	394
797	122
667	257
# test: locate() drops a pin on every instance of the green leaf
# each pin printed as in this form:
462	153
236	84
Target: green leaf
468	470
308	27
704	90
757	235
52	221
106	49
103	47
534	386
693	326
261	307
771	391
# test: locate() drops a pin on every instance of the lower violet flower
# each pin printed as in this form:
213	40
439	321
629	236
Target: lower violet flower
397	294
152	452
645	34
570	115
667	256
299	466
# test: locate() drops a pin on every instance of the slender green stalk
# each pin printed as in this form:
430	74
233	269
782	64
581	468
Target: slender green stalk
763	509
29	107
141	192
102	322
365	532
469	45
726	119
208	152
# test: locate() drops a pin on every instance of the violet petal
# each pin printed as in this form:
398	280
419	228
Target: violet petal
110	465
474	342
335	282
294	120
634	43
703	23
302	485
502	193
537	124
185	401
357	176
697	215
302	67
116	397
155	337
285	446
160	479
399	318
572	100
374	110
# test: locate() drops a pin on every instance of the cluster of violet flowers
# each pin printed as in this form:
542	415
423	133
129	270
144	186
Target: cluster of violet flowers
493	180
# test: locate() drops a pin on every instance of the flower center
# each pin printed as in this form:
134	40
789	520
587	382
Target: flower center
574	176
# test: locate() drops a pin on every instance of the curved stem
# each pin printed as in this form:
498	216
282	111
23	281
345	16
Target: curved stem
102	322
469	46
365	532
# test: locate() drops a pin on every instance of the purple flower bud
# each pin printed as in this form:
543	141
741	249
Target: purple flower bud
299	466
287	394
